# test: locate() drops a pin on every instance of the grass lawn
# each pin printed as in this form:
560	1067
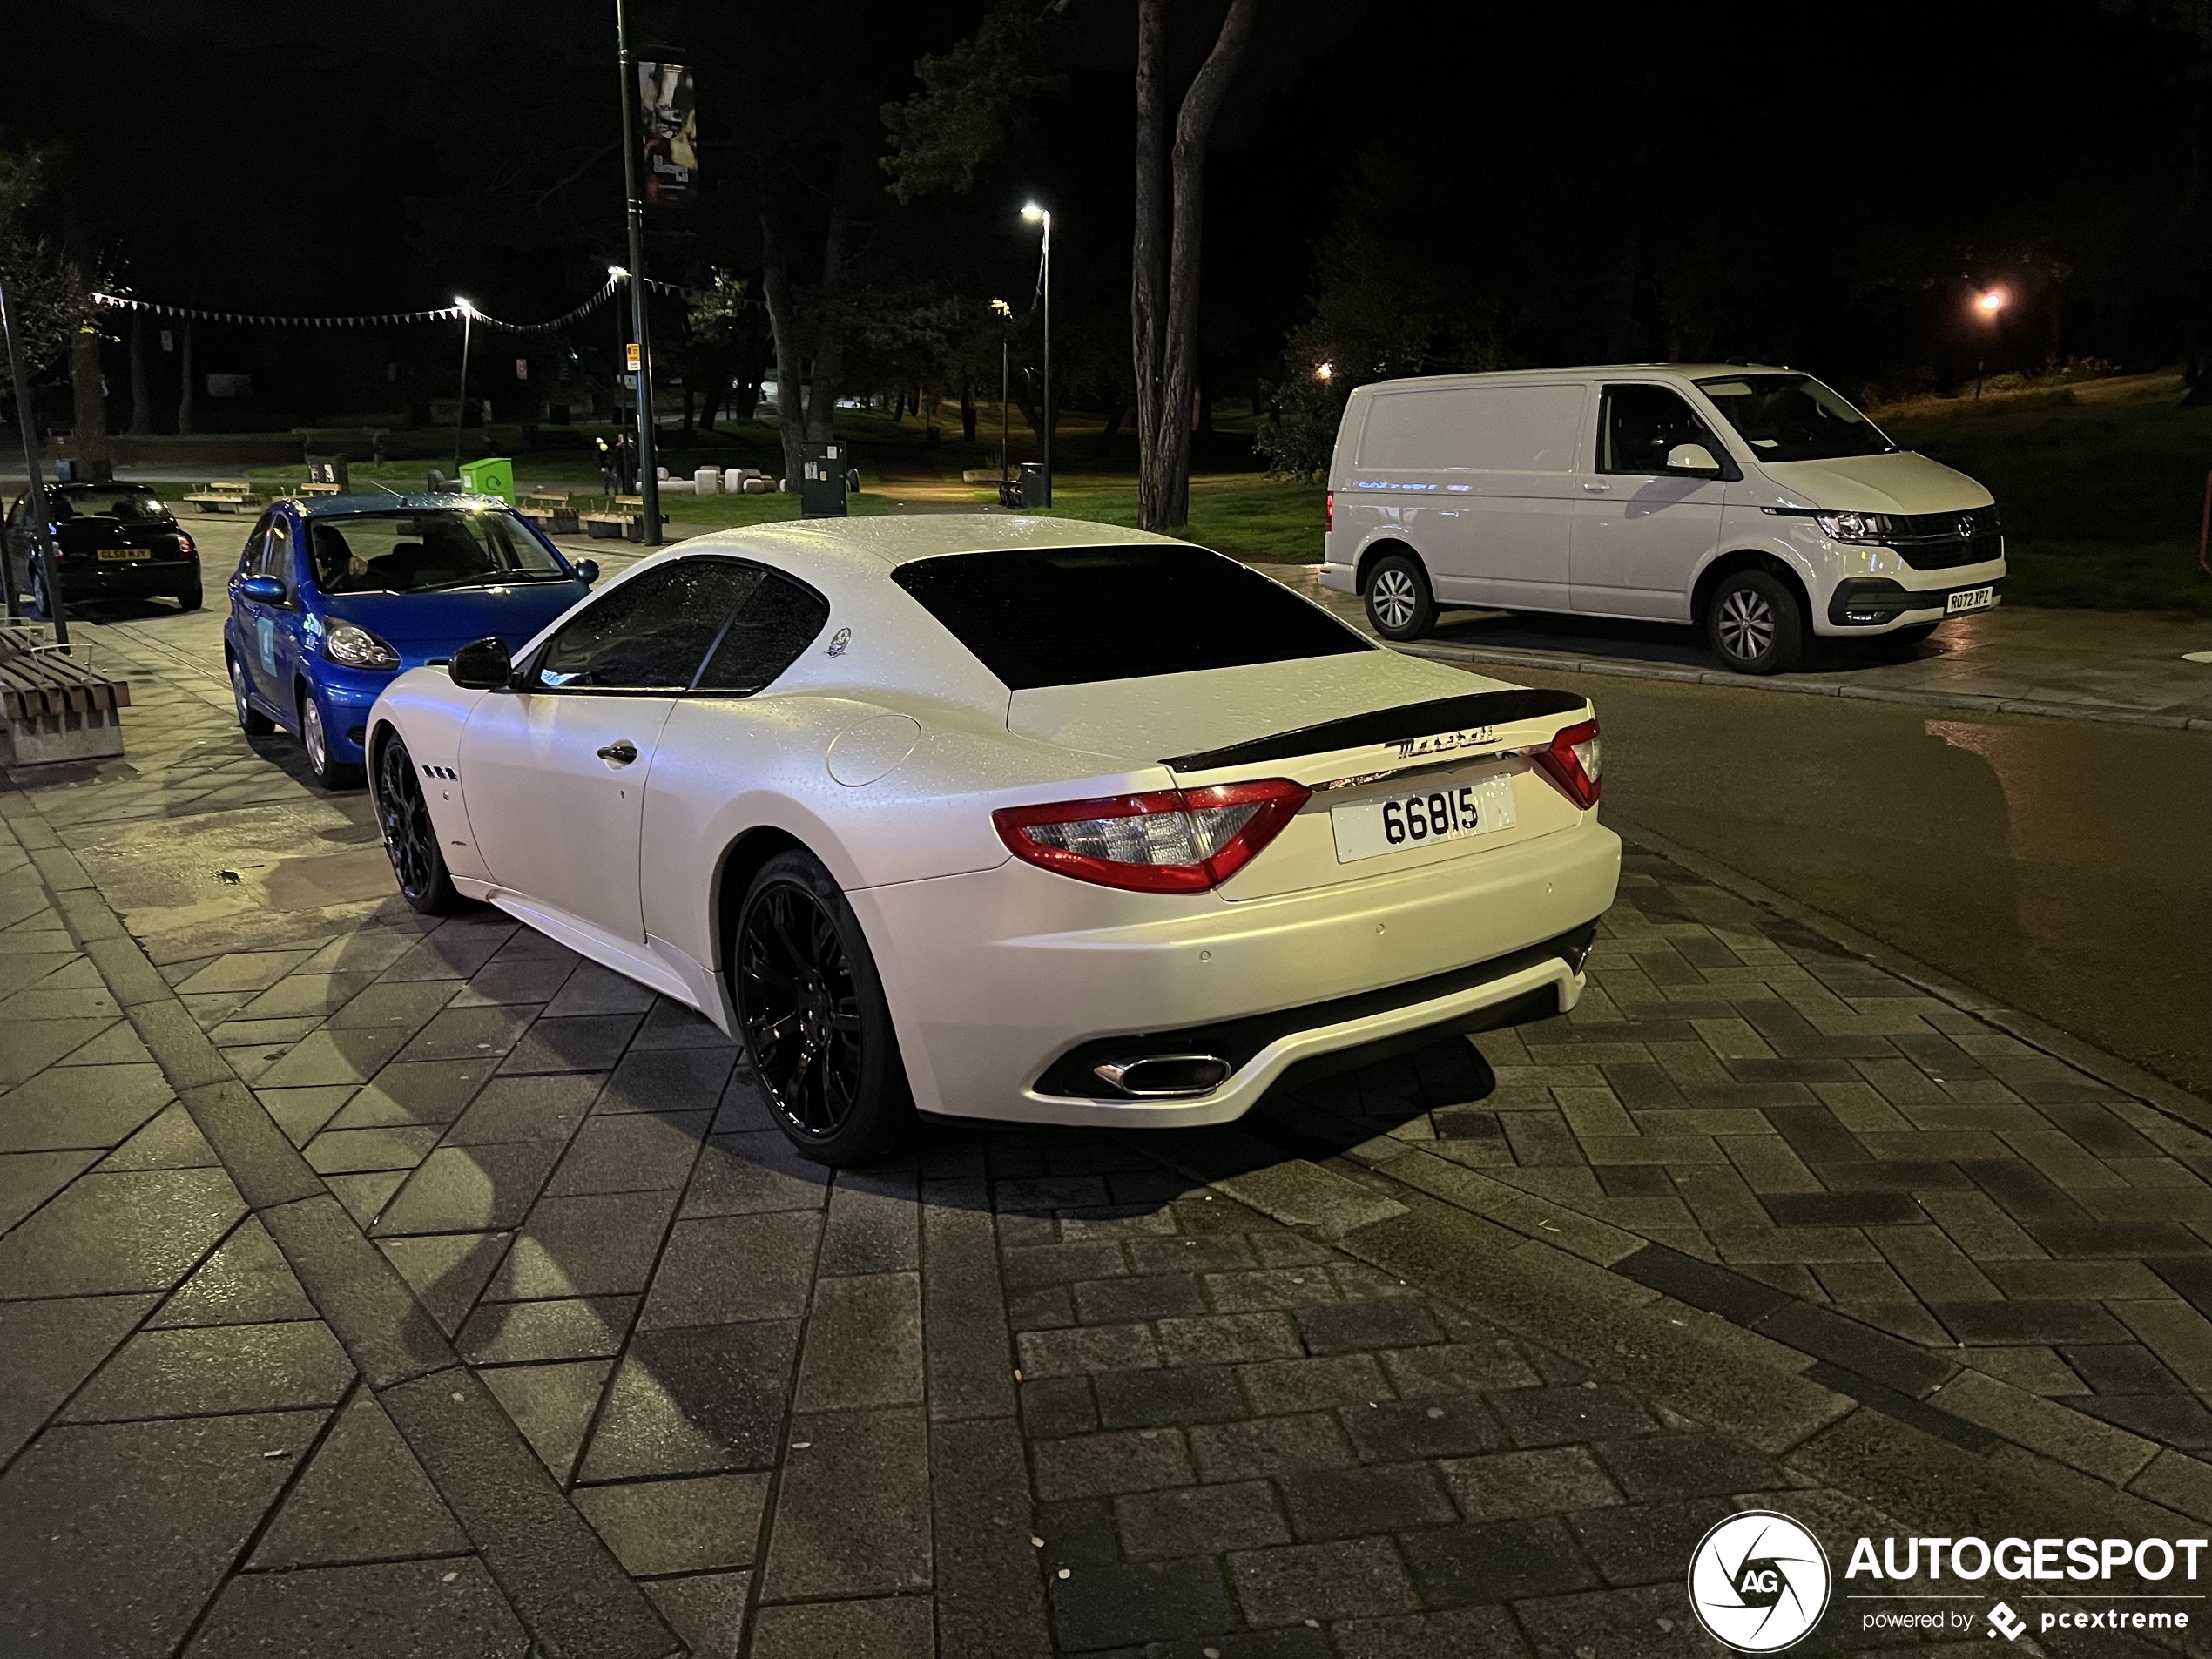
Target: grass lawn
2101	497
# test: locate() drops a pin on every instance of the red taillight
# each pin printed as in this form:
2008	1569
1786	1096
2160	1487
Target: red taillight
1329	512
184	549
1168	840
1575	760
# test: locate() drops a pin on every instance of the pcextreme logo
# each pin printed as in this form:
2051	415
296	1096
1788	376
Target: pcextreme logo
1758	1581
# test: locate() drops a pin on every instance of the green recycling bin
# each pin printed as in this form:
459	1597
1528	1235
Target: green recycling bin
493	475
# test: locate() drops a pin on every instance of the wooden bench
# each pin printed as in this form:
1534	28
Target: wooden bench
550	510
312	489
53	707
226	496
626	519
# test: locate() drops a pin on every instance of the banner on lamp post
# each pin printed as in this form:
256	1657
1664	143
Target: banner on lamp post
668	118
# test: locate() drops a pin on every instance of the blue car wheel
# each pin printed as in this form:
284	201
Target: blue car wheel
315	737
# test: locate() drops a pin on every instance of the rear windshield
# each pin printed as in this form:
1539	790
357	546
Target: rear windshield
1067	616
131	506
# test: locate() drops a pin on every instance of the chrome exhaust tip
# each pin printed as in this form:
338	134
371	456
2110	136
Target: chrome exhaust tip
1165	1076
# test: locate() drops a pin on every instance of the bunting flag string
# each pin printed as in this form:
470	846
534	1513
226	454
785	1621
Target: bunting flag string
379	319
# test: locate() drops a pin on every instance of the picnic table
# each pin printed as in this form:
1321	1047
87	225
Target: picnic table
53	707
551	510
226	496
626	519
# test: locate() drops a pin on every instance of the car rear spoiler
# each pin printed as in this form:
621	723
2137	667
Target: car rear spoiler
1408	724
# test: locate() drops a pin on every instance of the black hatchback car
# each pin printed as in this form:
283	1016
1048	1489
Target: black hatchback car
115	541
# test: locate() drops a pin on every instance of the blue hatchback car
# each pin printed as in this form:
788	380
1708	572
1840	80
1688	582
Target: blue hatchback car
335	595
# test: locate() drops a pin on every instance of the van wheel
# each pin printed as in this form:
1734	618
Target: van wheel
1755	623
1400	604
1917	634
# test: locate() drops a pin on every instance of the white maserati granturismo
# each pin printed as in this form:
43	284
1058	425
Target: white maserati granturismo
999	817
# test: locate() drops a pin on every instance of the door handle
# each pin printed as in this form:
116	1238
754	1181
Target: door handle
1597	488
622	751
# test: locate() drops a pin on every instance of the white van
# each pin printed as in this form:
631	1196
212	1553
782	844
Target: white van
1751	500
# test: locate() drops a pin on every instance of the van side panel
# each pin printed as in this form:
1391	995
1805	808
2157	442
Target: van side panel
1481	480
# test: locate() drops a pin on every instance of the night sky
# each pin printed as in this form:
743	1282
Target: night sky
1540	184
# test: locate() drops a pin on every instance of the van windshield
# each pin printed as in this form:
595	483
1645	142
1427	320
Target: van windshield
1793	417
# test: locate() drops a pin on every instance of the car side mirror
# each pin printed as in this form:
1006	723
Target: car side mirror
1691	457
267	589
482	666
588	570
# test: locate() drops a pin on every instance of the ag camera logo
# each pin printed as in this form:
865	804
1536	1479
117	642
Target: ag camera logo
1758	1581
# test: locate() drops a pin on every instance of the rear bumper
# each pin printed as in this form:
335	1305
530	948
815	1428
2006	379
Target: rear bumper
1307	974
1340	579
133	581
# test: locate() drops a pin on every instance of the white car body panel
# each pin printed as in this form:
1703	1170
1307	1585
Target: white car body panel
1568	539
884	748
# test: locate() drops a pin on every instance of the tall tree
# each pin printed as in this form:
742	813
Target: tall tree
1163	304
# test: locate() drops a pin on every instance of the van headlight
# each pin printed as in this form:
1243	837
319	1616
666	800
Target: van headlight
1866	529
356	647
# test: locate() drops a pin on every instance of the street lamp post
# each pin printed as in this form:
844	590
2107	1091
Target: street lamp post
1990	302
41	525
461	415
1004	313
648	469
1037	215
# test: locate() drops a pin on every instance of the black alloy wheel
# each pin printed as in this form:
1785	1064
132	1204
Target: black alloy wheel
410	837
813	1014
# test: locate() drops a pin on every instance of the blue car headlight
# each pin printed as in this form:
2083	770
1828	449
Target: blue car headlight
355	647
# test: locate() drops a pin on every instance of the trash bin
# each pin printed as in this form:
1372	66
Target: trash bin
330	470
821	477
1033	488
493	475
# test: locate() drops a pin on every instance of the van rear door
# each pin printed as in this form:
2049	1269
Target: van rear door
1479	480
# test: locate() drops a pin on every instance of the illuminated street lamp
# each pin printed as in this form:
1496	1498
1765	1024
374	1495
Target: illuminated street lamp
1037	215
1324	372
1004	313
1990	303
468	314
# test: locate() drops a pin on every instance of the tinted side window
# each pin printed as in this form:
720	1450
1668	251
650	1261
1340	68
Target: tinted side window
780	620
1642	424
649	634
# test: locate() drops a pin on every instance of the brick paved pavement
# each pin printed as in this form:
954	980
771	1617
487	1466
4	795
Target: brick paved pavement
379	1287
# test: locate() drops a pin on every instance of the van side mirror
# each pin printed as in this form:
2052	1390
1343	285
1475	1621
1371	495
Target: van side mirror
587	571
1691	457
482	666
267	589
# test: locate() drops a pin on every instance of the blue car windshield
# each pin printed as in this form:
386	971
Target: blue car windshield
427	550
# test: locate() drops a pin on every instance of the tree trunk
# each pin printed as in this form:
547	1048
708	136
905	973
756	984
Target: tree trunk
1165	393
184	380
829	320
782	322
90	435
1147	317
967	412
141	393
1193	130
